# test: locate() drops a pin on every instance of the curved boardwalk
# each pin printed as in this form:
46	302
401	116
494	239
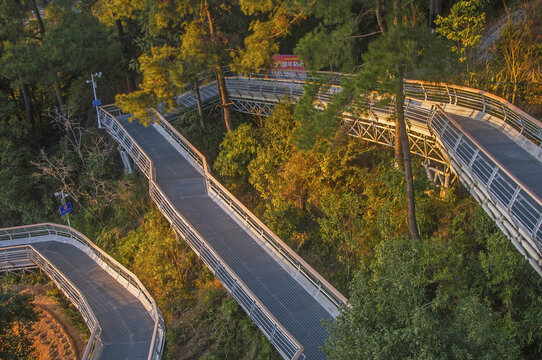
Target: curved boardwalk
266	277
124	321
126	325
512	200
511	156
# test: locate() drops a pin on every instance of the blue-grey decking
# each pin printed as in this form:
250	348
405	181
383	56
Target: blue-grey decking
126	325
511	156
287	300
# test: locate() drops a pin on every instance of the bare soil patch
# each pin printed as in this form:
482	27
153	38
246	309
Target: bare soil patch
54	335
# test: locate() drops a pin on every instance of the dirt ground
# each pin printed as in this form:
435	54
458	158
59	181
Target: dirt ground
54	335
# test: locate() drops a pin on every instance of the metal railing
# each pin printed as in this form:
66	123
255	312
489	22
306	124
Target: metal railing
131	282
285	343
478	100
520	203
259	228
19	252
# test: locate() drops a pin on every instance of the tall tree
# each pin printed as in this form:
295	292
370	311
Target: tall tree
194	58
116	13
463	26
200	42
18	31
271	21
404	51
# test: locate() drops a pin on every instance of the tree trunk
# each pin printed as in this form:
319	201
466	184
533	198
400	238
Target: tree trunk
398	146
200	108
27	103
38	18
130	77
435	7
412	224
58	92
220	80
379	15
224	98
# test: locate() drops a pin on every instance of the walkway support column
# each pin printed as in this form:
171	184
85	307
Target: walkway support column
126	161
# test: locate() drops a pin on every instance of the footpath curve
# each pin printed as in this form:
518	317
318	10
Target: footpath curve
123	318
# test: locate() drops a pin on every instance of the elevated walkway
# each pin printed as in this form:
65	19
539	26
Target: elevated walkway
124	320
275	285
477	137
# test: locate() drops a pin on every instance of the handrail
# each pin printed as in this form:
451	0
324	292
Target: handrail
69	289
109	119
192	236
528	214
114	265
149	171
478	100
260	228
177	220
489	155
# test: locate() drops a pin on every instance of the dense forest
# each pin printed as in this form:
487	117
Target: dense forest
440	281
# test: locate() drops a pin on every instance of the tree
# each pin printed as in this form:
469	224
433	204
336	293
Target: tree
22	200
237	150
515	69
273	21
18	36
463	26
155	89
342	226
115	13
82	168
404	51
194	58
175	58
402	307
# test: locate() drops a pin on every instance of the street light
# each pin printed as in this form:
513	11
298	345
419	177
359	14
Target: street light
95	102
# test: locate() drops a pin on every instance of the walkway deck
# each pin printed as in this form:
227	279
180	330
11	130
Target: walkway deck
511	156
287	300
127	326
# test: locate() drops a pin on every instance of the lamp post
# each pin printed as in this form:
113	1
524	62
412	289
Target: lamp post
95	102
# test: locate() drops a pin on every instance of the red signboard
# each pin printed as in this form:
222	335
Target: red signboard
287	63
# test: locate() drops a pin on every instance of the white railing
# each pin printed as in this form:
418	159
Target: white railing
285	343
268	87
478	100
20	252
521	204
325	288
122	275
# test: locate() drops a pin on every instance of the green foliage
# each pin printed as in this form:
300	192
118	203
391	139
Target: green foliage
463	26
514	71
237	150
16	317
404	51
271	22
336	55
402	308
459	296
22	200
